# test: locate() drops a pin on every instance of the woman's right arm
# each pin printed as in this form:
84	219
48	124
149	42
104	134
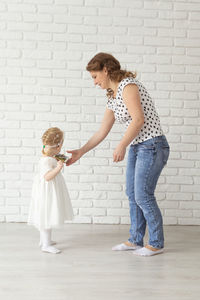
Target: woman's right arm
97	138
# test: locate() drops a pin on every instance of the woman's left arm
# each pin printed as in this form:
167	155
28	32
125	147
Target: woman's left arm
131	98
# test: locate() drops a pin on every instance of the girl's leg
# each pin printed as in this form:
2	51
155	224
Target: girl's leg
152	155
45	238
51	242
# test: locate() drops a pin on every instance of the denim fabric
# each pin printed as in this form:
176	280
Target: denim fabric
145	163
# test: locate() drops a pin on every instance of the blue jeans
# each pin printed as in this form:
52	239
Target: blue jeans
145	163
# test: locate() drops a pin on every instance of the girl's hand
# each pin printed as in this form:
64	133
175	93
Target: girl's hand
119	153
76	154
60	164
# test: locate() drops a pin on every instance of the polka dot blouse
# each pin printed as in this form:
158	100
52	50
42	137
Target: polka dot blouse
151	127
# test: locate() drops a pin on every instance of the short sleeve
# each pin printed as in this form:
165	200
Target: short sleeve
46	165
127	81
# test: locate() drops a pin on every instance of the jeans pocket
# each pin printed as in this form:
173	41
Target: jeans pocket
147	145
147	148
166	151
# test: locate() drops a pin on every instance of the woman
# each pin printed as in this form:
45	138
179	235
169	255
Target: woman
129	103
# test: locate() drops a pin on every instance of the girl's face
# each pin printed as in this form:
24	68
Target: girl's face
58	148
101	78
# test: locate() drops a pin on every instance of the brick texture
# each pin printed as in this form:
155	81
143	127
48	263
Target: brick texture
44	48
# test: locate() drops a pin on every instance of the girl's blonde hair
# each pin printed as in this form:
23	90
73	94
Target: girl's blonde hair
51	137
115	73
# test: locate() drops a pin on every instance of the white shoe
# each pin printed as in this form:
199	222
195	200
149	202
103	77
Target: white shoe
147	252
50	249
124	247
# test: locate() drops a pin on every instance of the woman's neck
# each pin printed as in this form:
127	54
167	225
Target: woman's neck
114	87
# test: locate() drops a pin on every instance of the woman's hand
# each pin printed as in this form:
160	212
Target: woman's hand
119	153
76	155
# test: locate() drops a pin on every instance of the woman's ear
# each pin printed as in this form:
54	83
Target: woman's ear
105	70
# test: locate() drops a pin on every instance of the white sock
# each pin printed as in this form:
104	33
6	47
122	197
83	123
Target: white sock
51	243
147	252
124	247
45	237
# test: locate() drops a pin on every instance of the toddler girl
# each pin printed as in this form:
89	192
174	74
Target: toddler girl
50	204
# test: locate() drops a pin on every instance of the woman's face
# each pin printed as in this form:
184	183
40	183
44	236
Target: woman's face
100	78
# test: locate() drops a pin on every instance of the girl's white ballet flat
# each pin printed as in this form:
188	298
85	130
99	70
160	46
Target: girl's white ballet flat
50	249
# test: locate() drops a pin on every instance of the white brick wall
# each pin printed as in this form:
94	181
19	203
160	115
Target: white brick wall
44	48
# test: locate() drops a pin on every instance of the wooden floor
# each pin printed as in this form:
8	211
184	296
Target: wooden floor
88	269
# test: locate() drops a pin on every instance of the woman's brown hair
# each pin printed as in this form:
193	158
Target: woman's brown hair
115	73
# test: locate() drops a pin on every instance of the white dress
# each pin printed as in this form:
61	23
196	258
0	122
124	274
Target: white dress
50	204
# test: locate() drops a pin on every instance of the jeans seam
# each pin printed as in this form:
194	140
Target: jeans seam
146	193
133	239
